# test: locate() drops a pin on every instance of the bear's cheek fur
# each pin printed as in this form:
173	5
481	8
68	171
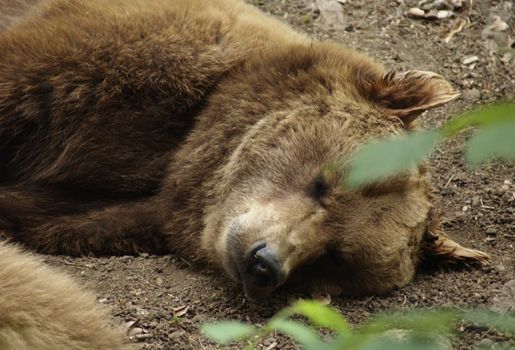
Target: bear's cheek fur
376	242
361	272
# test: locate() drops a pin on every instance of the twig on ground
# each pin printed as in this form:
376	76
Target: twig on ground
449	181
455	31
485	206
271	346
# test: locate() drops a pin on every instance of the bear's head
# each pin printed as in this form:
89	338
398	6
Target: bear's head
285	214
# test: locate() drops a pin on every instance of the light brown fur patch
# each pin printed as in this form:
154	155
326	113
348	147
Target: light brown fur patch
43	309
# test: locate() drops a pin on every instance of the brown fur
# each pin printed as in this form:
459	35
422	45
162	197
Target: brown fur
14	10
43	309
200	127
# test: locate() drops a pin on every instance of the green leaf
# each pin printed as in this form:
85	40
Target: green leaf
483	116
483	318
321	315
422	322
300	333
384	158
494	141
226	331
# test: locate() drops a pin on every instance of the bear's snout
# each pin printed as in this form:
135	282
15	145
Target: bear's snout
266	242
259	270
263	268
263	274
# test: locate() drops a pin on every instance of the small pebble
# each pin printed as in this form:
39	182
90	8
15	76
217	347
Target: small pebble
176	334
506	185
135	331
143	336
415	12
506	58
499	25
491	232
500	267
470	59
471	94
443	14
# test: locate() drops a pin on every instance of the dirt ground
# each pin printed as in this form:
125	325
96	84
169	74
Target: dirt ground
162	300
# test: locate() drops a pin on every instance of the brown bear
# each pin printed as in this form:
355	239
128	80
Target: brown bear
43	309
206	128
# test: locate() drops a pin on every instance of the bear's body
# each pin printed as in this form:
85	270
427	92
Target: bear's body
205	128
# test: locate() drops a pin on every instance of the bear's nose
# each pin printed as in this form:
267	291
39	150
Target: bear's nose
264	269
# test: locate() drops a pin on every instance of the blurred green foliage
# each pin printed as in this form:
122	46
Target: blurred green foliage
383	158
423	329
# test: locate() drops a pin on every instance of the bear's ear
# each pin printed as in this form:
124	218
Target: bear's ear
437	247
406	95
